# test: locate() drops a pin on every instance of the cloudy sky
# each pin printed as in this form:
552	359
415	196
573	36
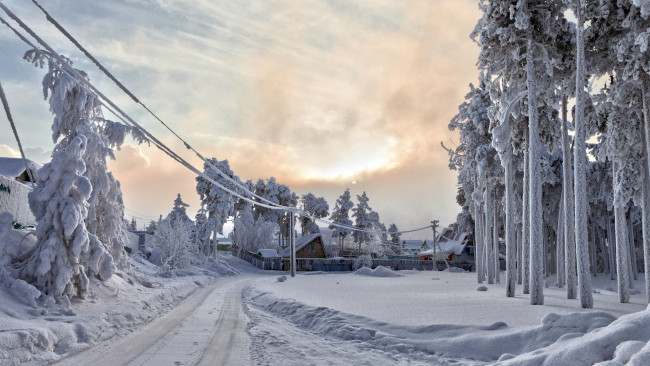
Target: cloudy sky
320	94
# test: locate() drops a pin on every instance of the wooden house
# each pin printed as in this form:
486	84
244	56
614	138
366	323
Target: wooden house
308	246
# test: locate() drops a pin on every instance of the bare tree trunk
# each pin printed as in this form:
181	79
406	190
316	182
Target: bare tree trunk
611	240
525	253
569	213
511	237
580	173
535	195
622	250
519	249
559	245
478	238
489	245
645	218
495	241
632	251
592	246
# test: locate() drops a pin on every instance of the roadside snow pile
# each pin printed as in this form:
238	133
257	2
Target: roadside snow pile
571	339
380	271
46	333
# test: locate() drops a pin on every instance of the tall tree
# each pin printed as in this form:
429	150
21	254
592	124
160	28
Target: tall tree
341	216
362	221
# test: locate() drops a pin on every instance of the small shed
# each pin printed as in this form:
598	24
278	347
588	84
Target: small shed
308	246
268	253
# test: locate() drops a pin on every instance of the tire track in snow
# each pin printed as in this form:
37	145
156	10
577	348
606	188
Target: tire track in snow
180	337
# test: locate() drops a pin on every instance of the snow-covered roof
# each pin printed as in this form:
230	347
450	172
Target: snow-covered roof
268	253
416	244
301	243
450	246
14	167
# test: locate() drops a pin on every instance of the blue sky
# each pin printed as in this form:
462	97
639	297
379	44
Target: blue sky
322	95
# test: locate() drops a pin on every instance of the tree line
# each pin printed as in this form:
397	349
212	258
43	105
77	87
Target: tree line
553	153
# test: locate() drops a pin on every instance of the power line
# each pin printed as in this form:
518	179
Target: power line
5	105
65	67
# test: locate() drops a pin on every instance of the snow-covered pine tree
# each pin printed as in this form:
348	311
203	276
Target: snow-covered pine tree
78	112
362	221
179	213
341	216
631	48
469	159
65	254
202	232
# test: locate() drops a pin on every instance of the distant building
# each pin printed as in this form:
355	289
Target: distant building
415	246
308	246
15	185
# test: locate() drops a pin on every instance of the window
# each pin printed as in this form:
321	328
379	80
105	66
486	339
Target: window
311	248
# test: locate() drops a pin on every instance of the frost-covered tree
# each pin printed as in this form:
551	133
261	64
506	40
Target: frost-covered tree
243	233
362	221
341	216
264	233
65	254
219	203
624	148
286	198
202	232
474	149
395	242
174	240
78	112
133	225
179	213
316	207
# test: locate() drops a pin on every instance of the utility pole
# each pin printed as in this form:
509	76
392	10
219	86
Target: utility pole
292	245
434	226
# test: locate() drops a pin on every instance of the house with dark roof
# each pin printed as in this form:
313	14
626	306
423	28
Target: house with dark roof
308	246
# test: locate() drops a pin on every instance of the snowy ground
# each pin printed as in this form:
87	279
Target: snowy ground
435	318
370	317
116	307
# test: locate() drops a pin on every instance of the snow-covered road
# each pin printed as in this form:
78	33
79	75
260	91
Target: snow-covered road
208	328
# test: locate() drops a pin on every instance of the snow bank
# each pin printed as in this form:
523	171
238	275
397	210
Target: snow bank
380	271
488	343
39	335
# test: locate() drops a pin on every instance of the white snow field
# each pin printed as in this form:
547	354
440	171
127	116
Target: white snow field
415	317
239	315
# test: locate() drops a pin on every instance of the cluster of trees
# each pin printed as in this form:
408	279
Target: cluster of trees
523	176
256	226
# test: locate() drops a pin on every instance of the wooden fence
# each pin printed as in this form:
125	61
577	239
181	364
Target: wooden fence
342	264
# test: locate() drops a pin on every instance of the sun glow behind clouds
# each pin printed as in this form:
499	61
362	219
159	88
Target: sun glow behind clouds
317	94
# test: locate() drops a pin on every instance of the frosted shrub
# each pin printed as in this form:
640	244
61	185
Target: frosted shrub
175	243
362	261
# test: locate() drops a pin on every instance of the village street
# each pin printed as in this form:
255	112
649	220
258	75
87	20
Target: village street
208	328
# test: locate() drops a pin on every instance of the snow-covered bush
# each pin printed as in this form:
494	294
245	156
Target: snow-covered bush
362	261
65	254
173	240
